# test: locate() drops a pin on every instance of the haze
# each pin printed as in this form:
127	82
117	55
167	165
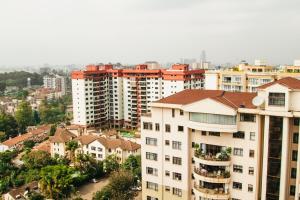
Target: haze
132	31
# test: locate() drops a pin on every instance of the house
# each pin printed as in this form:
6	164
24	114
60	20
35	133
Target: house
59	140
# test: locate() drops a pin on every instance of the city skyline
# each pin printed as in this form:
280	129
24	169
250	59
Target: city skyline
67	32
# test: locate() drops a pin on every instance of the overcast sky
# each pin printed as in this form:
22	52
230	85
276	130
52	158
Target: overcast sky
35	32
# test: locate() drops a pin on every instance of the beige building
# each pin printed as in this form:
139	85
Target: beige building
99	147
212	144
247	78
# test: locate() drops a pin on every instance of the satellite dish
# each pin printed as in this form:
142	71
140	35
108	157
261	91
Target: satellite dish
258	101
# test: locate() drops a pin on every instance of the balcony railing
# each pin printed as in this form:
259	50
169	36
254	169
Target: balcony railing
217	193
222	156
215	174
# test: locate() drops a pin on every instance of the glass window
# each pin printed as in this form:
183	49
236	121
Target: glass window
252	136
176	145
214	133
213	118
276	99
250	188
295	138
167	142
238	151
156	126
237	185
151	171
181	112
173	112
238	168
151	141
151	156
167	158
293	173
251	153
168	128
176	160
292	190
152	186
245	117
239	134
176	176
294	155
177	192
180	128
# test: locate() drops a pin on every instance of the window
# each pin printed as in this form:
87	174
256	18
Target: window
213	118
167	188
251	171
176	145
99	149
152	186
147	125
151	171
167	128
93	148
167	158
251	153
167	173
180	128
167	142
173	112
238	168
156	126
177	192
176	161
292	190
214	134
203	133
252	136
293	173
151	156
238	151
245	117
176	176
296	121
295	138
181	112
276	99
294	155
237	185
151	141
250	188
239	134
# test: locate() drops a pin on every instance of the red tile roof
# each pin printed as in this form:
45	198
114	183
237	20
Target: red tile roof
62	135
44	146
232	99
289	82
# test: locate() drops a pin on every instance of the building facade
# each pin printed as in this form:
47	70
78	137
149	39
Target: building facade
55	82
106	97
223	145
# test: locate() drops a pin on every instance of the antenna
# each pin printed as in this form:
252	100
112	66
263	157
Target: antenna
258	101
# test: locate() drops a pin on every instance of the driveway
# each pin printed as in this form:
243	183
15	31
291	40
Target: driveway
87	191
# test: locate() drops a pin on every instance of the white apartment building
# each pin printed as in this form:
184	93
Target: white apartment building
55	82
106	97
217	145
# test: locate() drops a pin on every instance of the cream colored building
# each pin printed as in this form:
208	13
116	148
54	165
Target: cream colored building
247	78
217	145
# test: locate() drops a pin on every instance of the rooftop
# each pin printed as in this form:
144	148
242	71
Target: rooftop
288	82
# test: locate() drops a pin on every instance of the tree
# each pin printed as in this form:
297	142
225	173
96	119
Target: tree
24	116
8	125
35	196
22	94
37	159
52	130
119	187
28	144
36	117
133	164
57	181
71	147
2	87
110	164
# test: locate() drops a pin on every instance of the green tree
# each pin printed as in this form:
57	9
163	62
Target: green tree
36	117
24	116
119	187
71	147
133	164
57	181
2	87
8	125
35	196
52	130
22	94
111	164
37	159
29	144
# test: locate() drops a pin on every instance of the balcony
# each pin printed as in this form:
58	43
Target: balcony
212	177
216	194
220	159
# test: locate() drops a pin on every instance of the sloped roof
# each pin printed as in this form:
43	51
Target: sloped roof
109	143
62	135
17	140
288	82
232	99
44	146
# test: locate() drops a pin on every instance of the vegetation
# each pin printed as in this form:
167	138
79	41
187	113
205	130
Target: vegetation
24	116
19	79
28	144
71	147
8	126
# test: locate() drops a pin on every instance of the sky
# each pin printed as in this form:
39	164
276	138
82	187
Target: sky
34	32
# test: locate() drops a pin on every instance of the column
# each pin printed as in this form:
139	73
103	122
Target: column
265	158
298	171
284	159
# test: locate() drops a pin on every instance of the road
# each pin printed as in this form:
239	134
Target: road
87	191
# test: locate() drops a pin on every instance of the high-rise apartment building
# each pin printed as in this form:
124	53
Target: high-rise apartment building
103	96
219	145
247	78
55	82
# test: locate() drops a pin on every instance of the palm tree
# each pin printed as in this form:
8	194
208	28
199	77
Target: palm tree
56	181
72	146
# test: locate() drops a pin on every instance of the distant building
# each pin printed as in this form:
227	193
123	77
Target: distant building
55	82
107	97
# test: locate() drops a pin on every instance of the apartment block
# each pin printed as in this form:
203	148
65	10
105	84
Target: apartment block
55	82
247	78
107	97
219	145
